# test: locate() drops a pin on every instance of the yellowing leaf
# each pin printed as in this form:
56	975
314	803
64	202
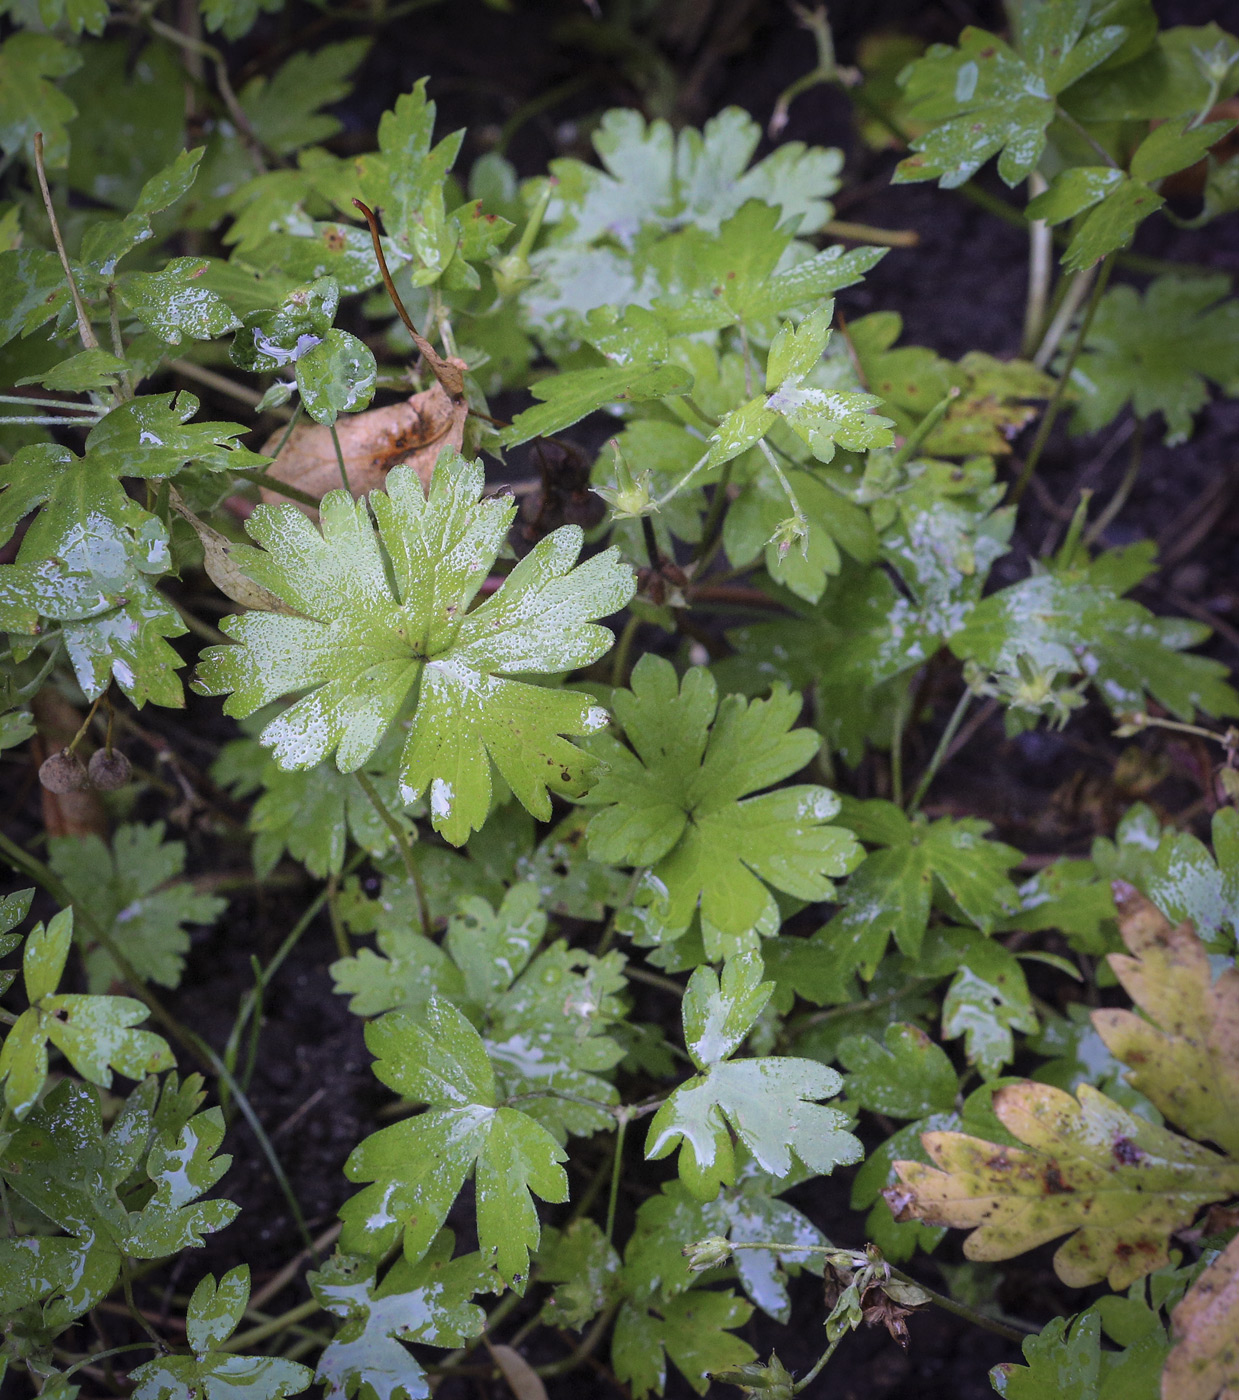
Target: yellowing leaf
1122	1183
1205	1359
1185	1055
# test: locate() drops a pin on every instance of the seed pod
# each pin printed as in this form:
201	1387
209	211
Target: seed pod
109	771
63	772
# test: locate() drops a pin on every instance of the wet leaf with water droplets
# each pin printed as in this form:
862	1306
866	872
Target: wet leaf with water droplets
364	639
677	800
417	1167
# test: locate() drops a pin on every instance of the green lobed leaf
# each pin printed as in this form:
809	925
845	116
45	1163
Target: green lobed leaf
418	1166
427	1302
361	641
133	893
1156	352
679	801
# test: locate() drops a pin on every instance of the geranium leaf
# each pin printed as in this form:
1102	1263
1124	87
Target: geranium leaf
427	1302
364	640
1088	1166
1183	1053
984	98
681	803
419	1165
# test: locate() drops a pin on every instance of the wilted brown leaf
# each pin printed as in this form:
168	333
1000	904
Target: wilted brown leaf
412	433
523	1381
1185	1057
221	569
1121	1183
1204	1363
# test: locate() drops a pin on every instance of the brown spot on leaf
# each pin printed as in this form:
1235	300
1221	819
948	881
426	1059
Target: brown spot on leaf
1126	1152
1055	1185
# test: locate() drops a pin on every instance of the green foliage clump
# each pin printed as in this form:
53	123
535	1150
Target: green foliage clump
616	787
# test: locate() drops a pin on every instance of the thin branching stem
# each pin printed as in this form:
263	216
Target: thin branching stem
940	753
84	329
1060	388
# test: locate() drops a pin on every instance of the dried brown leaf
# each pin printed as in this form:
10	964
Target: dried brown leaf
523	1381
1185	1056
1204	1362
221	569
410	433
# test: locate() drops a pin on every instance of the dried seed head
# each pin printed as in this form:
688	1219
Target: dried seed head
63	772
109	771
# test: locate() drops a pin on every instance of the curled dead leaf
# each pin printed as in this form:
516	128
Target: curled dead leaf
220	566
411	433
523	1381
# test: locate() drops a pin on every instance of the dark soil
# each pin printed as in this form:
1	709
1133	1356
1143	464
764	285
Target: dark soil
962	288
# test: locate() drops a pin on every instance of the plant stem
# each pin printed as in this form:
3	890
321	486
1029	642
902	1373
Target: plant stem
712	527
29	401
1083	132
1074	290
450	376
126	1283
870	233
403	845
947	1304
335	442
124	387
1060	388
1040	257
940	753
47	421
273	1328
1119	499
619	664
683	482
281	488
651	543
111	1351
238	113
585	1349
84	329
617	1166
812	1374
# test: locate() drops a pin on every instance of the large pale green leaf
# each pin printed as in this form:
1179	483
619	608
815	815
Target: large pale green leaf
360	639
770	1103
